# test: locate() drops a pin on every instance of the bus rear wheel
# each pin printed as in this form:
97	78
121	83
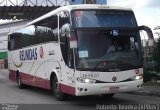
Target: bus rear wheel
56	92
19	82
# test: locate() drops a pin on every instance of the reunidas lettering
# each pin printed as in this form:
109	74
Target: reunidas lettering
28	54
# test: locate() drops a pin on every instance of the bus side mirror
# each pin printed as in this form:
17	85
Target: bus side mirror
66	31
72	36
149	34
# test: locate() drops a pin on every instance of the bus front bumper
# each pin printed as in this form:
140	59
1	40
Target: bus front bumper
83	89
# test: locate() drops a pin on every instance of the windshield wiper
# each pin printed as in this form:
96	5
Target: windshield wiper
104	61
115	64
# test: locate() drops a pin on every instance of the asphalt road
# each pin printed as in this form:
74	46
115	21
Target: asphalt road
32	98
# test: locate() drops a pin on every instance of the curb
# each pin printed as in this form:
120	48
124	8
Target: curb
146	93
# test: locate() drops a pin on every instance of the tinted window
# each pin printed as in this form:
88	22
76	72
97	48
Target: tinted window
40	32
101	50
64	22
104	18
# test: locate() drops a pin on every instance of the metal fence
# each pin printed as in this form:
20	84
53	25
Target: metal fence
34	2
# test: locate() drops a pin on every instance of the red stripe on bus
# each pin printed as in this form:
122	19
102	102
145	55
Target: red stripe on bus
40	82
67	89
31	80
12	75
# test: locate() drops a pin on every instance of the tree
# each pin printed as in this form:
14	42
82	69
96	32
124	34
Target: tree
156	53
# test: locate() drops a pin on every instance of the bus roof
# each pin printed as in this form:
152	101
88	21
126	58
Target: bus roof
74	7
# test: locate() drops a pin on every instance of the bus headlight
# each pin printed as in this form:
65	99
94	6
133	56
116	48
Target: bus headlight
138	77
86	80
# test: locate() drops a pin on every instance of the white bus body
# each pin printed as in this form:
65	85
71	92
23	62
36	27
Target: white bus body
40	61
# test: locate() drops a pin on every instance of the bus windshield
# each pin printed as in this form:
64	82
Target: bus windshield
103	18
107	40
102	49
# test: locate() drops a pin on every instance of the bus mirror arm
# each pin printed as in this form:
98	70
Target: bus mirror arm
149	33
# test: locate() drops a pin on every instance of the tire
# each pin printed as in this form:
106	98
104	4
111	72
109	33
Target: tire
108	95
55	89
19	82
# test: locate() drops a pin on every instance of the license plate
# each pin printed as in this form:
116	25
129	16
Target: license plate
114	88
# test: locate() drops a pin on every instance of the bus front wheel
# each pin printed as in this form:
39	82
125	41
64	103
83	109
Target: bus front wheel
56	92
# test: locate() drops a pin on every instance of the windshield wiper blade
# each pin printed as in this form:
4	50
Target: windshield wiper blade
115	64
105	63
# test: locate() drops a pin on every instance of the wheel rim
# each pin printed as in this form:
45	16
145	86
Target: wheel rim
57	92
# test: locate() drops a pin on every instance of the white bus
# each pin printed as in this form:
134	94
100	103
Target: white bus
66	51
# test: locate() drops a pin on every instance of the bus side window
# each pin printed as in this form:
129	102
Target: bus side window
14	41
11	42
46	30
64	21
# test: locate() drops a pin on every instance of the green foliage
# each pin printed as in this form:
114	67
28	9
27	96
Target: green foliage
156	53
151	84
157	28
